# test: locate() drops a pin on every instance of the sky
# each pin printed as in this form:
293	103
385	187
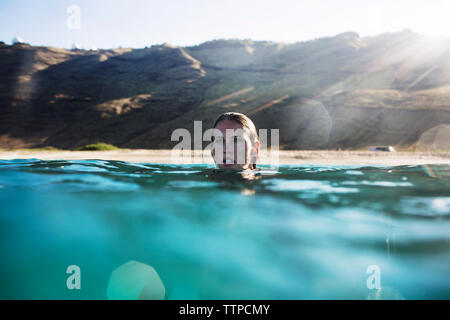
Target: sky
140	23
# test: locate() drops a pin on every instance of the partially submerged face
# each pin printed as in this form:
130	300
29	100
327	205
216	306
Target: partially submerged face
234	149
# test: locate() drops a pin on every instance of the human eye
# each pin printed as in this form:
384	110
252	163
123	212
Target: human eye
239	139
217	140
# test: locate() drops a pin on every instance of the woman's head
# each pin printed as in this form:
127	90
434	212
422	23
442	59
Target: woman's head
238	145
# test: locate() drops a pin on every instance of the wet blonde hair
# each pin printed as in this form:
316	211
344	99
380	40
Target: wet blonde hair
246	124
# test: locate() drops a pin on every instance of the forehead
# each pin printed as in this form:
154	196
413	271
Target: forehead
227	124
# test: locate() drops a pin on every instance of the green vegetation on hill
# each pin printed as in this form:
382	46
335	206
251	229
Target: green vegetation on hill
99	146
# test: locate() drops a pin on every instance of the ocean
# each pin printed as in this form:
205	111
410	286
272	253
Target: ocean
286	232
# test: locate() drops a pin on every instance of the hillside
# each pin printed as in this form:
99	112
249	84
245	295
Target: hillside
336	92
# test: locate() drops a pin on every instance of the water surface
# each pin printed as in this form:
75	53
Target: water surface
292	232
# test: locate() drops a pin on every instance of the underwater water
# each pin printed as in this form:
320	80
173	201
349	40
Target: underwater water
291	232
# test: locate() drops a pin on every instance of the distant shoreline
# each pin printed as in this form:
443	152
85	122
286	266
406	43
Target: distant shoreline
322	157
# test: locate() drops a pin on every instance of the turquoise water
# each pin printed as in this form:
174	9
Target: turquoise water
295	232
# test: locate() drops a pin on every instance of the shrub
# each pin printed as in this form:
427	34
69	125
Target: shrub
99	146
